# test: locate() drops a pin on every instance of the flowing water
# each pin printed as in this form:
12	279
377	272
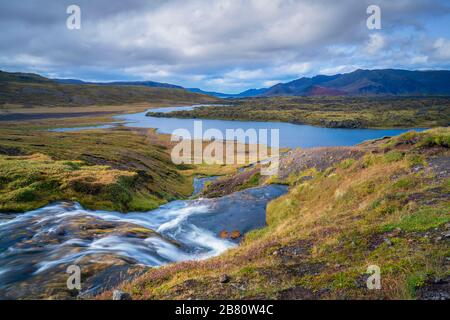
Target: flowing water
37	246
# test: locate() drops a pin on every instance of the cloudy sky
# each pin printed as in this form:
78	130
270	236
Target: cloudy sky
221	45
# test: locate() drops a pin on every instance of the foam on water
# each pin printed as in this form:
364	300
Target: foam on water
47	240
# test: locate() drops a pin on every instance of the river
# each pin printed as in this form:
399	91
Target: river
36	247
291	135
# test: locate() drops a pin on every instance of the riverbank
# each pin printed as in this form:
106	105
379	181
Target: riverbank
111	247
383	202
122	169
387	207
331	112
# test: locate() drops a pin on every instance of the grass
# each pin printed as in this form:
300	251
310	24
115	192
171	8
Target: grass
322	236
120	169
32	181
335	112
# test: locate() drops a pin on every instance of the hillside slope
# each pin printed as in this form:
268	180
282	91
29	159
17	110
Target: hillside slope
30	90
386	205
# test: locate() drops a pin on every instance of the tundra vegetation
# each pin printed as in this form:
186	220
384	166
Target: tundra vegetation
119	169
22	90
333	112
385	203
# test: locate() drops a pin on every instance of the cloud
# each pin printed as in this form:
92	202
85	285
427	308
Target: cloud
219	45
375	44
442	48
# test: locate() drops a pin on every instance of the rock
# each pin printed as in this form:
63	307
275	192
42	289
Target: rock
388	241
446	234
223	234
235	234
120	295
224	278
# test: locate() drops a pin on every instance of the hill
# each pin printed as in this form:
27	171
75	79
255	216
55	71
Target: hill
31	90
151	84
383	203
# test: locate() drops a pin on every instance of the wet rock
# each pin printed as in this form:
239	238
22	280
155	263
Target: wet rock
120	295
224	278
235	234
223	234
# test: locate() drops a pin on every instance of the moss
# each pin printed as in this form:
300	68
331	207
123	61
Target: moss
253	181
115	169
393	156
346	164
422	220
405	183
325	232
24	195
415	281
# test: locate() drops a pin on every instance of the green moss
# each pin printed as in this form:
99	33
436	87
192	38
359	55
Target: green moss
405	183
24	195
393	156
347	163
422	220
415	281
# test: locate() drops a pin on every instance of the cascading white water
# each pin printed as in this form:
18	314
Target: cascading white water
40	244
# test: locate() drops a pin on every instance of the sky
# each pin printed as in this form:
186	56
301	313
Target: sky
221	45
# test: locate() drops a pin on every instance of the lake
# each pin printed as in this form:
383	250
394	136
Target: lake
291	135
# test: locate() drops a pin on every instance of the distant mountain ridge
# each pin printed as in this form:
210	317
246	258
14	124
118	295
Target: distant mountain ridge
357	83
363	82
151	84
211	93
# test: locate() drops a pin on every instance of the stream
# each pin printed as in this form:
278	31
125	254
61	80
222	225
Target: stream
36	247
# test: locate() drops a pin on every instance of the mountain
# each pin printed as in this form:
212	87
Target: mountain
363	82
211	93
151	84
245	94
251	93
32	90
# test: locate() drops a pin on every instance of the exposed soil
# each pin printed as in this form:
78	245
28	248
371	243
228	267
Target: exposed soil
225	186
298	160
